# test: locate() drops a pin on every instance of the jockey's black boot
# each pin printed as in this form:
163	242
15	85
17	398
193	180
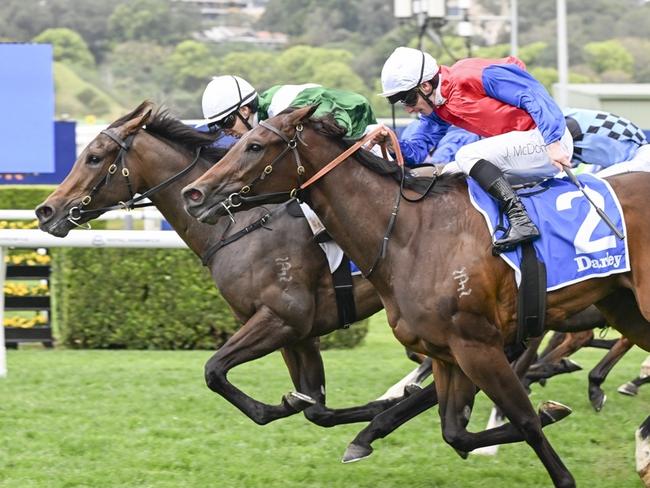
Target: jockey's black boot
521	228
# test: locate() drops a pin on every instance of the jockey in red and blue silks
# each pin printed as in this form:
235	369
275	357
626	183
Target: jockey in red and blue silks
524	131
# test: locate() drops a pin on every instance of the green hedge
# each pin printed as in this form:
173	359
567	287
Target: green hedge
146	299
138	298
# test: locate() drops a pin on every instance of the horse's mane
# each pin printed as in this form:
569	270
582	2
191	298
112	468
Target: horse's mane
327	126
163	125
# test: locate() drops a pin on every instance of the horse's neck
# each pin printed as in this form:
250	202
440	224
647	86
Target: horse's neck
196	235
355	205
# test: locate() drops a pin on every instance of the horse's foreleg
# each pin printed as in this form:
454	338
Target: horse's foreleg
305	361
598	374
457	393
490	371
262	334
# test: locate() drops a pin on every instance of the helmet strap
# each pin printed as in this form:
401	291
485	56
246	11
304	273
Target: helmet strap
244	121
426	97
422	94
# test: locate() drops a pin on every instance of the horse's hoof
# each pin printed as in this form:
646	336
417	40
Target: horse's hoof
629	389
598	400
553	411
462	454
570	365
355	452
298	401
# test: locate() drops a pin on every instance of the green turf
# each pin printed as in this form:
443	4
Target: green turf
146	419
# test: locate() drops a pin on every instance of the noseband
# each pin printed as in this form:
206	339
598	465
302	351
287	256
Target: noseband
77	212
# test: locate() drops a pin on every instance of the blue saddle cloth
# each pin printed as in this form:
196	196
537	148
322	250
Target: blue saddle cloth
575	243
354	269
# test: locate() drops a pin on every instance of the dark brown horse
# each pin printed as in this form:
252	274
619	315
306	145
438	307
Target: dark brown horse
463	328
276	279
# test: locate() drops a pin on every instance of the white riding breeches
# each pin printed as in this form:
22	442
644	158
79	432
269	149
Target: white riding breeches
640	162
332	250
521	155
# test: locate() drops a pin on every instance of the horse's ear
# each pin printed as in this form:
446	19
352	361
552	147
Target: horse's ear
301	115
137	122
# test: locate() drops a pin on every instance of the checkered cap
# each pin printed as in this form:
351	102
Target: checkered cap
616	127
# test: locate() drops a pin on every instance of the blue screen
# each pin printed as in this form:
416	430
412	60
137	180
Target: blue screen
27	108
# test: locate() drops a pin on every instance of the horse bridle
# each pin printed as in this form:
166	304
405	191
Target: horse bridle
77	212
236	199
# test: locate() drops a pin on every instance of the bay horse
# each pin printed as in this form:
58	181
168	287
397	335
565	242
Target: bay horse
275	279
416	274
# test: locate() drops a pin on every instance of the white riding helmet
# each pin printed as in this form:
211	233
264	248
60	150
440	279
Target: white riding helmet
224	95
405	69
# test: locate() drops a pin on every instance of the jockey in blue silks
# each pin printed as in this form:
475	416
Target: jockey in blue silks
612	143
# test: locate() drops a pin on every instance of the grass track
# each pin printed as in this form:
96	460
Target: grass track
145	419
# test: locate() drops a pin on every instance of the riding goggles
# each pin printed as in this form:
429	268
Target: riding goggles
408	98
228	122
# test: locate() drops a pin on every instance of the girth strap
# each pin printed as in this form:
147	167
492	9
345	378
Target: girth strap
344	293
531	306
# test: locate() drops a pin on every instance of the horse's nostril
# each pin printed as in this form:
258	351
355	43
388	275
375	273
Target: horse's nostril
194	195
44	212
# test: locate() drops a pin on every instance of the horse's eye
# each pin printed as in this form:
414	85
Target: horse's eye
254	147
93	160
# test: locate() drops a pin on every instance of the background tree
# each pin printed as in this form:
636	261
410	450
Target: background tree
68	46
190	65
159	21
136	71
608	56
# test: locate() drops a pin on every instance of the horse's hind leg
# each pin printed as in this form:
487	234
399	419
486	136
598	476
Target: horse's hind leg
262	334
307	373
388	421
598	374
